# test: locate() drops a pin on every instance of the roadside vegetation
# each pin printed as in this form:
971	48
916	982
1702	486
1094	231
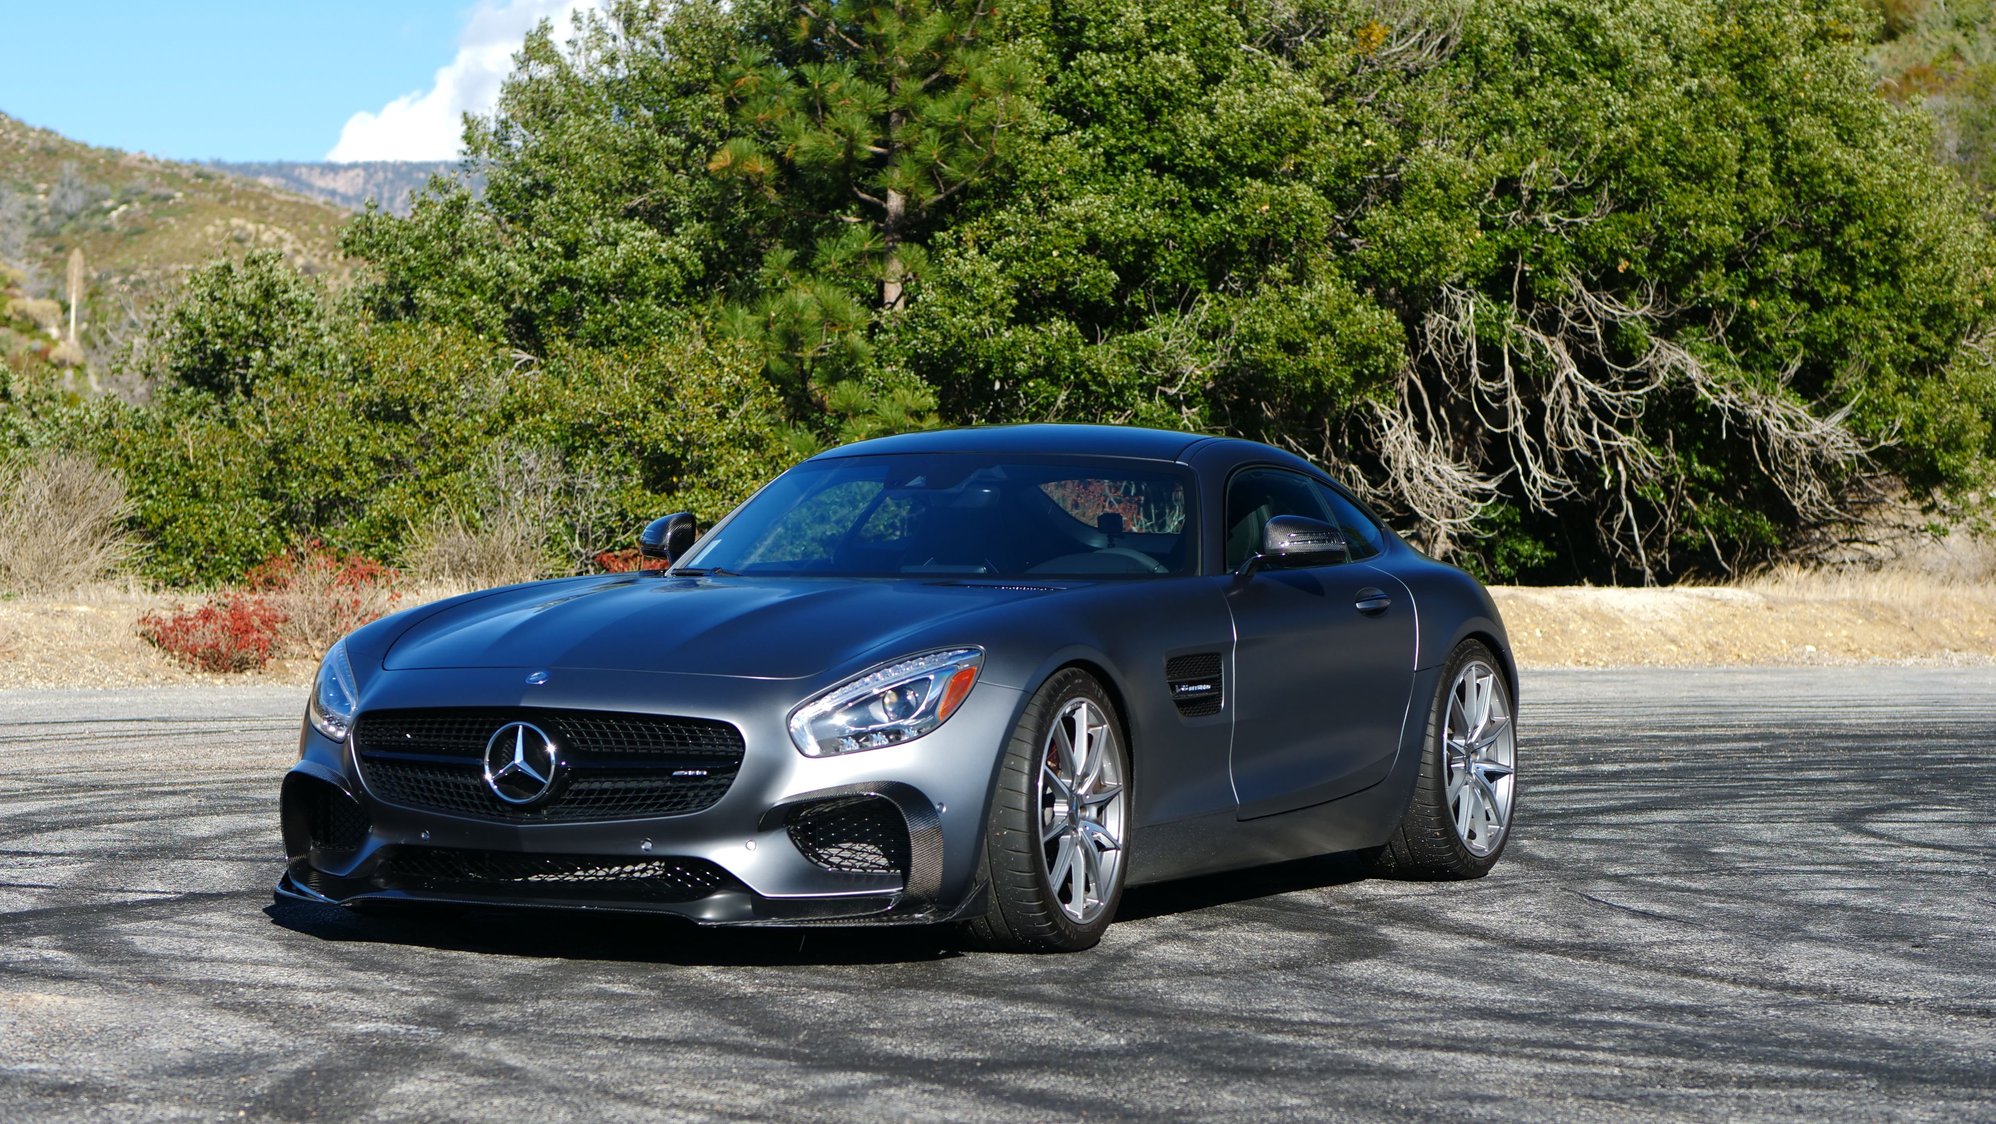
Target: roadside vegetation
1574	290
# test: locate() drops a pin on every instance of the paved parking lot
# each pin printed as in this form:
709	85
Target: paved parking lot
1763	893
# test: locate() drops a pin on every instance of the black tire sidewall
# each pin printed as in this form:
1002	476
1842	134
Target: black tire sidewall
1034	917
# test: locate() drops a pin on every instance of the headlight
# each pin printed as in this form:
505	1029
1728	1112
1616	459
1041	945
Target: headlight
335	695
887	706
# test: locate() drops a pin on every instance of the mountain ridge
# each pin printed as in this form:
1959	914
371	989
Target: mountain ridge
390	184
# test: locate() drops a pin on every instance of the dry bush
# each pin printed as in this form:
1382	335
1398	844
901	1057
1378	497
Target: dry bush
319	596
452	553
535	508
46	314
62	522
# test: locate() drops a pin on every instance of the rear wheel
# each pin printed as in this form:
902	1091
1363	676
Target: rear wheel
1054	843
1459	816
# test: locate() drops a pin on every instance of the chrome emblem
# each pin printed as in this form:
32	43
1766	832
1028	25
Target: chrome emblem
536	678
520	763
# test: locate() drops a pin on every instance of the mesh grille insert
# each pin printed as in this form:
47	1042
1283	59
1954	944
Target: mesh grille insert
666	879
333	821
860	835
621	766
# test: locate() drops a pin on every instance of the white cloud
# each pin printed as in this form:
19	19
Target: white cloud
428	124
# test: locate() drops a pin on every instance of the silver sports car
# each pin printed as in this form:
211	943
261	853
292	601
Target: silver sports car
989	677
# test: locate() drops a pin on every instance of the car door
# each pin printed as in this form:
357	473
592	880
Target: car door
1323	655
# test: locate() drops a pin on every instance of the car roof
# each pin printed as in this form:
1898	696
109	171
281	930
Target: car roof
1093	440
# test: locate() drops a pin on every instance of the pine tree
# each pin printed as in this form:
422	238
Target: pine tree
874	119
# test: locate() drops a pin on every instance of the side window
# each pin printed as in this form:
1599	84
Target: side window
1257	495
1362	533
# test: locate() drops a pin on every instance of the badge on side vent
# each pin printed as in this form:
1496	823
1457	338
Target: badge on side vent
1197	683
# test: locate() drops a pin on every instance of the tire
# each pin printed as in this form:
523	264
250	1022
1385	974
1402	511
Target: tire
1458	819
1034	832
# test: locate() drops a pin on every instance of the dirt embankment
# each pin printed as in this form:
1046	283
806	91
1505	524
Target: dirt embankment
1794	619
91	638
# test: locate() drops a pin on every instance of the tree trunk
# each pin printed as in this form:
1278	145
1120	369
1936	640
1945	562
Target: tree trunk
890	280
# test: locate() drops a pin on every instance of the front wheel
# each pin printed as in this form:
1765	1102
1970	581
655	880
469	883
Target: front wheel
1054	843
1459	817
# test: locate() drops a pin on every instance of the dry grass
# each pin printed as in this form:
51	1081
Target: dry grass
1793	617
61	523
88	638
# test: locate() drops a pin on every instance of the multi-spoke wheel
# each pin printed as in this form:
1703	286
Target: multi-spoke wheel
1478	748
1055	843
1081	809
1459	816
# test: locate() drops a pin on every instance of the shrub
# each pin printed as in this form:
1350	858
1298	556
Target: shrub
237	632
626	560
239	323
61	522
295	604
455	553
320	595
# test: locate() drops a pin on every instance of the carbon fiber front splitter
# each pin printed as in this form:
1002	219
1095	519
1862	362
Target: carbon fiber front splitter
728	905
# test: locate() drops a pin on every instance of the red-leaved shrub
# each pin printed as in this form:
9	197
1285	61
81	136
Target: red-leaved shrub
235	632
625	560
296	604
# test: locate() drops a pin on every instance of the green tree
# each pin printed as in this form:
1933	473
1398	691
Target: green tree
1613	288
873	119
239	322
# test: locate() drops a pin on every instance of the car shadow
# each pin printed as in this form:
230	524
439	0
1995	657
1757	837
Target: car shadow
1188	895
638	938
631	937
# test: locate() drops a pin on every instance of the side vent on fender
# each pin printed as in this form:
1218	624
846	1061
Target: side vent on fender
1196	684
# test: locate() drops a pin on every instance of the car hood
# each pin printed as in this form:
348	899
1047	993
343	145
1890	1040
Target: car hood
762	628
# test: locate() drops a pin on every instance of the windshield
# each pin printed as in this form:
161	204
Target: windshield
960	513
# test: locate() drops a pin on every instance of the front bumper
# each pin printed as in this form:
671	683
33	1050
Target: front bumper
742	861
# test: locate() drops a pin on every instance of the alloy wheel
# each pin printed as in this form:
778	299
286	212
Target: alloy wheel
1479	747
1081	809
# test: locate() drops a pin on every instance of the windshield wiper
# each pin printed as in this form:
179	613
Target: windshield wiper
712	571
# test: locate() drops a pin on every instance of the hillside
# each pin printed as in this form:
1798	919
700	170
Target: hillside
141	224
389	183
1942	58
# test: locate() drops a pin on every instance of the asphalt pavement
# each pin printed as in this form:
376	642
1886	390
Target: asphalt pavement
1758	894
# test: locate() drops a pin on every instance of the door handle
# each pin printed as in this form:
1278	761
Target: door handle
1372	600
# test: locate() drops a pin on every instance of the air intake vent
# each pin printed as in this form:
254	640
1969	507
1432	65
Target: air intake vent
666	879
1196	684
862	835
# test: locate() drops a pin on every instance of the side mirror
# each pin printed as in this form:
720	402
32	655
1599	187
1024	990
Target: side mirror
1292	540
668	538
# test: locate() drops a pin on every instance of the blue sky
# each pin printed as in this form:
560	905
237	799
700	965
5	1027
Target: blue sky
268	80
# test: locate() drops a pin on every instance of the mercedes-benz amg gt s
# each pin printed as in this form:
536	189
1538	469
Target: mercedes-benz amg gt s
989	677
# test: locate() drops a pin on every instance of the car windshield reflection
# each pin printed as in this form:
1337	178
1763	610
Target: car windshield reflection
962	515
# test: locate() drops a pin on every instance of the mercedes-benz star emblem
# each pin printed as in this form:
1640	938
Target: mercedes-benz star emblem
520	763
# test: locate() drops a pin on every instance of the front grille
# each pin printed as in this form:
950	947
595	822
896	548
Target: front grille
858	835
620	766
1196	682
441	870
